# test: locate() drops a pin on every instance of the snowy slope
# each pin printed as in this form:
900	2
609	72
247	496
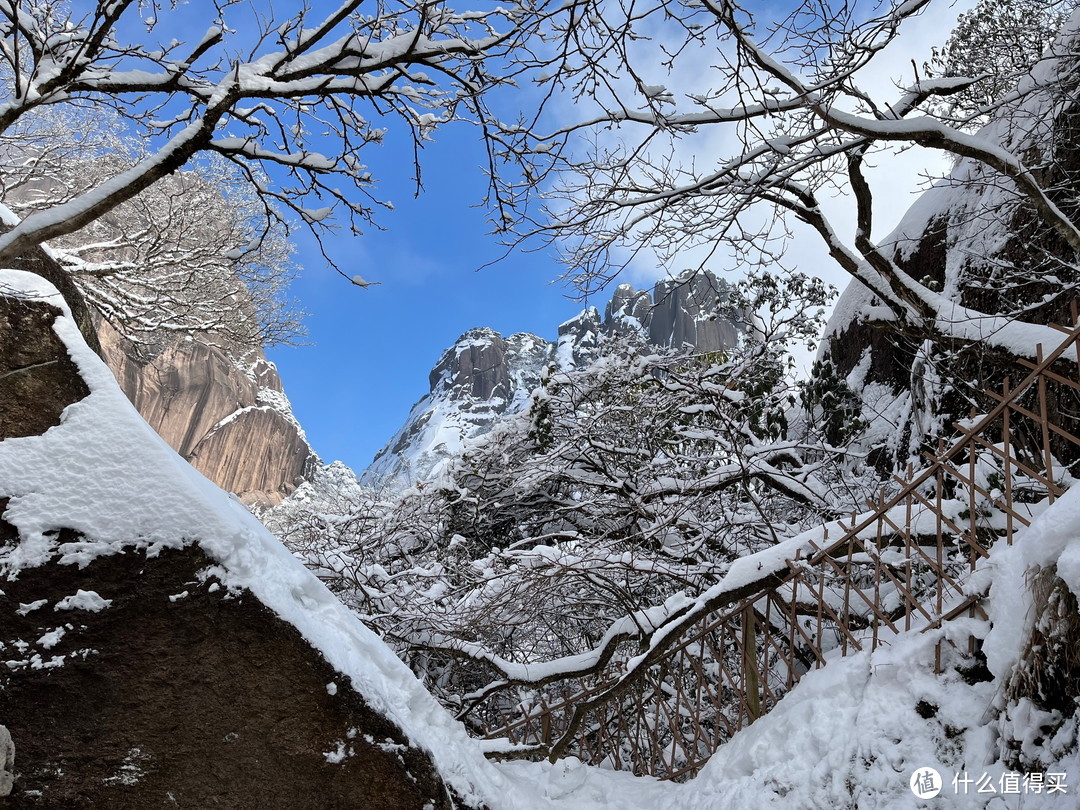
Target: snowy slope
852	733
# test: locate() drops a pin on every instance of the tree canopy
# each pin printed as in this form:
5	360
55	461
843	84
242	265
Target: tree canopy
303	92
715	127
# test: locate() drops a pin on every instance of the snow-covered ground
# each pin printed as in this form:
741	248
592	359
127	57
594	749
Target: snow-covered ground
850	735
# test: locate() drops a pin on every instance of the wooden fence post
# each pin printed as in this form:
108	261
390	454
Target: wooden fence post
751	681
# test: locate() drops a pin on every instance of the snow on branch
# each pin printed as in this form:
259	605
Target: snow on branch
634	171
293	98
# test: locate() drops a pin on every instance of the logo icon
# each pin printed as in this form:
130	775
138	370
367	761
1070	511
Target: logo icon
925	783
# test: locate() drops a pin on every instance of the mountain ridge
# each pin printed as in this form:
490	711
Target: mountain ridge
485	376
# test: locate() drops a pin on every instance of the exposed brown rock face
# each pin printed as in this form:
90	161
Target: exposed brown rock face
230	425
204	701
37	378
38	261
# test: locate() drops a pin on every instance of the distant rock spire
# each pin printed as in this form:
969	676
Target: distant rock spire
690	310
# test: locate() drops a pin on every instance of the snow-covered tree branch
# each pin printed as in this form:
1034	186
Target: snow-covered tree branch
303	92
643	169
193	254
593	521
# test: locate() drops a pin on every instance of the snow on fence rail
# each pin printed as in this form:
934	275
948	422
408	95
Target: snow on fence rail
905	564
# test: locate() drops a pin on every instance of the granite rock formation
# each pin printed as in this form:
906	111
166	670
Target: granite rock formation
685	311
230	419
477	380
485	376
971	238
476	366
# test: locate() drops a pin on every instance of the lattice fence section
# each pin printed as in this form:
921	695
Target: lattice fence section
903	565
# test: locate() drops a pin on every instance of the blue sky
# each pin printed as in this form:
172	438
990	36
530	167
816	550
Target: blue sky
373	347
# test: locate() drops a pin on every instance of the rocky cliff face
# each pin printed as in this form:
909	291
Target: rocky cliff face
685	311
477	380
485	376
231	420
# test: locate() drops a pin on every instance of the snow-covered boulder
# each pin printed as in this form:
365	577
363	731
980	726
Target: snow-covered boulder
157	645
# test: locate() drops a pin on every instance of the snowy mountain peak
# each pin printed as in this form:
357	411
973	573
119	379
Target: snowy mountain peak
477	380
628	309
475	366
579	339
485	376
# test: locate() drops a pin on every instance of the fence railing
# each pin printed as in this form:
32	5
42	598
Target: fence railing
904	564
